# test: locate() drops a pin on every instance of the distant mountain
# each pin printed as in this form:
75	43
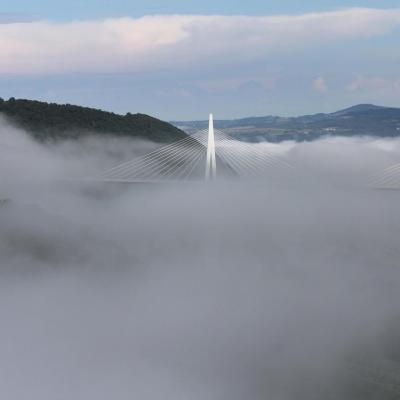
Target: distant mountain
359	108
359	120
54	121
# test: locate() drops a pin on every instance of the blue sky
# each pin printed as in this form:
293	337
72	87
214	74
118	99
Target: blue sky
78	9
113	55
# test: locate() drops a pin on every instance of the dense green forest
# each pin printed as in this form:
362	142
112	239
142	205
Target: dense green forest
55	121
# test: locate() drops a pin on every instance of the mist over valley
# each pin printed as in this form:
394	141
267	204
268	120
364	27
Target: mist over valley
269	288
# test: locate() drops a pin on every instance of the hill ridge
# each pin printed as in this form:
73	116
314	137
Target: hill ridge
358	120
47	121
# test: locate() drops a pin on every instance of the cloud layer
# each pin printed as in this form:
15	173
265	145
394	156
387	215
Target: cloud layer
162	42
196	292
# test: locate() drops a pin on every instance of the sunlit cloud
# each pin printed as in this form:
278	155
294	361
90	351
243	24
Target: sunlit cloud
319	85
164	42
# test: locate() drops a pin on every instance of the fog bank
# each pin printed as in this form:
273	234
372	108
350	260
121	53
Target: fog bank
232	290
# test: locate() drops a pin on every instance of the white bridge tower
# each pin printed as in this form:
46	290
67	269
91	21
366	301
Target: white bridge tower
211	164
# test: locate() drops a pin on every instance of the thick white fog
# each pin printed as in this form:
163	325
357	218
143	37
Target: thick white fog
233	290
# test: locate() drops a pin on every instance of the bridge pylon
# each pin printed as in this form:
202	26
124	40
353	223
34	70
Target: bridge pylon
211	164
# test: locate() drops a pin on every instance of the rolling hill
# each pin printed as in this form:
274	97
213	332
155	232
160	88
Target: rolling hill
359	120
49	121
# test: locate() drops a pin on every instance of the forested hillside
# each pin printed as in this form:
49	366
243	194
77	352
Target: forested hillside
54	121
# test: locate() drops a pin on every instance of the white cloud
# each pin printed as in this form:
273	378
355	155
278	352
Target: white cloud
126	44
374	83
320	85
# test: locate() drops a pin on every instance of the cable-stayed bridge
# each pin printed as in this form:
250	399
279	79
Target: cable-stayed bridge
211	154
389	178
207	155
